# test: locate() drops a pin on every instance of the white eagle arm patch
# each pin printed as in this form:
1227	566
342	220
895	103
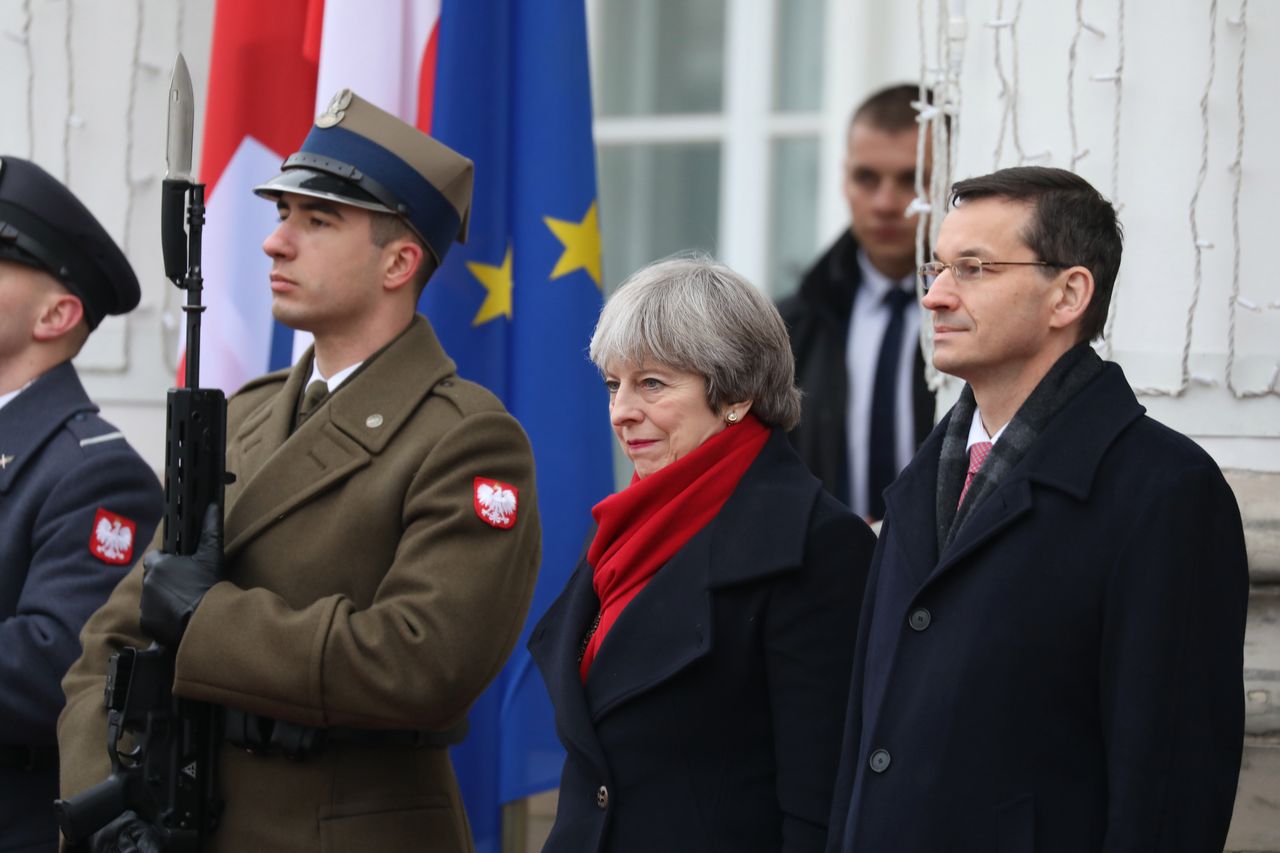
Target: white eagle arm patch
496	502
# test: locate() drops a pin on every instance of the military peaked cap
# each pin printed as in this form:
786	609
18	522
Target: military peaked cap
361	155
43	225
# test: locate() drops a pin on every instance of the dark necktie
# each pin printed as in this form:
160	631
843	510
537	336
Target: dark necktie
311	400
882	445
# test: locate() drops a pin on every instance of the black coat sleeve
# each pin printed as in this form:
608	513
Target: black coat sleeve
1172	655
809	637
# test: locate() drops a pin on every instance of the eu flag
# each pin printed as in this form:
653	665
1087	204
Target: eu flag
515	307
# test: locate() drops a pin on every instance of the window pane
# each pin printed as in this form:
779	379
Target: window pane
797	83
794	190
656	200
660	56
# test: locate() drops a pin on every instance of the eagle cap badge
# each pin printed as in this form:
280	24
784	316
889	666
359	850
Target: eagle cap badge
112	538
336	111
496	502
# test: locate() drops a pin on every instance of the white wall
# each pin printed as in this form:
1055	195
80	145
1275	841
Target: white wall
87	102
1166	66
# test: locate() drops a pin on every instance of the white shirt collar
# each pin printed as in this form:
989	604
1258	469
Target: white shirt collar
336	379
877	283
977	432
5	399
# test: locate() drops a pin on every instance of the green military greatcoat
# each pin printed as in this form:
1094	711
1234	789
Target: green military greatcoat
365	588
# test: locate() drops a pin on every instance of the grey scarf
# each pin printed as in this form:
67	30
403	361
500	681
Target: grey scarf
1074	370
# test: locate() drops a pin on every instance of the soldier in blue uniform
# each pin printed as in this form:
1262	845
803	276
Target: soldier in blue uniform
76	501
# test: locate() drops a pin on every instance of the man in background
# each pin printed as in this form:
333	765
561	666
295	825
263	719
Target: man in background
854	322
76	502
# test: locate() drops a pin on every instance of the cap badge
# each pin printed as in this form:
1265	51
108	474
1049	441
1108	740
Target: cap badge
112	538
496	502
336	111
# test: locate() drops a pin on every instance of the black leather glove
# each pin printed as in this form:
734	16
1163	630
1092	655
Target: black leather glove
173	584
126	834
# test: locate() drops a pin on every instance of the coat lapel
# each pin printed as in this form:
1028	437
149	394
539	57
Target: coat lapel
909	505
39	411
285	470
1066	457
668	626
554	646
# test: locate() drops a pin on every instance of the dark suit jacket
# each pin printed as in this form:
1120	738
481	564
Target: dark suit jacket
710	719
817	318
61	465
1066	676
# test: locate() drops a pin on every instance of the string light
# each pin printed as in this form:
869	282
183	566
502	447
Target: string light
1081	27
1115	77
1237	169
69	124
31	79
1008	88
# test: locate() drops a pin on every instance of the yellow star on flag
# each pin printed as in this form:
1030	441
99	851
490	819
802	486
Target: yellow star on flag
581	245
497	281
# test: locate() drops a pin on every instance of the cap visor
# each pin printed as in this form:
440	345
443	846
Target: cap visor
319	185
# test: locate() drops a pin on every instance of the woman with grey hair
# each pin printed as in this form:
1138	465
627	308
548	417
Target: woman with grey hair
699	658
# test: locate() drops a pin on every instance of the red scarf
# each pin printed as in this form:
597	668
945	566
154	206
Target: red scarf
645	524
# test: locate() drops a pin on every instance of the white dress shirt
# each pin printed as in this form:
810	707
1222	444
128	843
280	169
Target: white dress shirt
867	326
5	399
977	432
336	379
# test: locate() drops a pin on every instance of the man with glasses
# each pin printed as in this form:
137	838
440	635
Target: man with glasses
854	322
1050	653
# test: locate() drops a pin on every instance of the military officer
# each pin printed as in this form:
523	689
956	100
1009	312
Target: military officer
74	496
381	538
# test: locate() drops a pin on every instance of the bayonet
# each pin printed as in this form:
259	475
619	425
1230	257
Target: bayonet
182	119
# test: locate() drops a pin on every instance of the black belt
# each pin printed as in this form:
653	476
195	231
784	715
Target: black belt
263	735
28	758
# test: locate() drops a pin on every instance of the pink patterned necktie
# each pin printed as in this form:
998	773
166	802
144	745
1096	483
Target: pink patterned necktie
977	455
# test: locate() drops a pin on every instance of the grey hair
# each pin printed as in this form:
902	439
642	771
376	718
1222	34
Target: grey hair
697	315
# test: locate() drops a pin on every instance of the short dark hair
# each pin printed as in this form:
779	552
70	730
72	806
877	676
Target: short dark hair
891	109
385	227
1071	223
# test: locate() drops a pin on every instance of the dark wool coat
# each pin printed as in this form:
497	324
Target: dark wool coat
363	590
60	465
710	719
1066	676
817	319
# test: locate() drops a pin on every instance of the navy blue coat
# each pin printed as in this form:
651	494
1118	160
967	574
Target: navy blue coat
710	719
1066	676
64	471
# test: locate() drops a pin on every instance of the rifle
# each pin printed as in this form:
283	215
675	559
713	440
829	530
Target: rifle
169	774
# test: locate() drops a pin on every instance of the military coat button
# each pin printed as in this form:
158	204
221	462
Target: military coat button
602	797
919	619
879	761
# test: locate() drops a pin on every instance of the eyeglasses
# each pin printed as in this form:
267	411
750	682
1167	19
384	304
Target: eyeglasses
970	269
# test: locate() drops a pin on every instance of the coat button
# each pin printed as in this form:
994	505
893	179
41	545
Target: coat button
919	619
879	761
602	797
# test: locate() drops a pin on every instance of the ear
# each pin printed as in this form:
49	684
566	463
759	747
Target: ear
60	313
740	409
1073	296
402	258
